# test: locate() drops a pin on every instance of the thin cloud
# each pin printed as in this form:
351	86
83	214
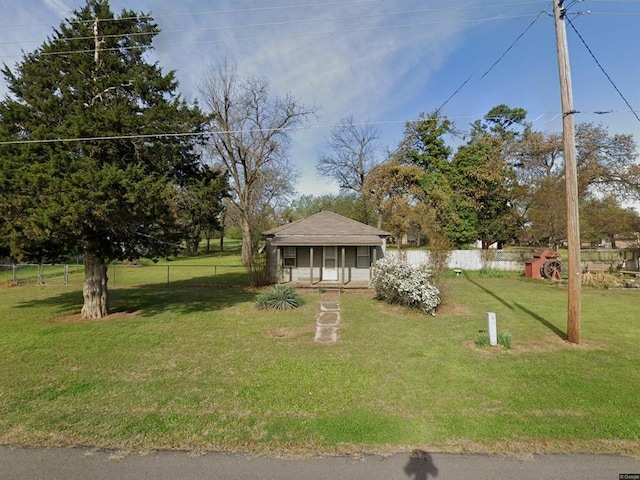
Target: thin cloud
58	6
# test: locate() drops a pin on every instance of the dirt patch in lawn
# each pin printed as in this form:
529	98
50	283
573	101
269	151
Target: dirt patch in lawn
535	346
294	332
452	309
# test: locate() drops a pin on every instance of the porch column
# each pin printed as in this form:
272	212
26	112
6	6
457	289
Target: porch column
278	260
310	265
343	262
375	255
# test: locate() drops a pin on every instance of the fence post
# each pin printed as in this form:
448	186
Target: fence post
167	274
40	274
15	273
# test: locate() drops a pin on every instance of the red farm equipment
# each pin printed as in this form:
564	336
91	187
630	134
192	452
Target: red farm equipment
545	264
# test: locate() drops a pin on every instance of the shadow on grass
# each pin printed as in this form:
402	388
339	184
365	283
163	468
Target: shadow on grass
542	320
515	305
497	297
192	295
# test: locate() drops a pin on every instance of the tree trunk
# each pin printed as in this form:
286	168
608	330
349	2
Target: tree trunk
94	290
247	242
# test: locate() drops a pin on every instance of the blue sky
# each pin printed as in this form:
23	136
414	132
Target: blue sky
384	61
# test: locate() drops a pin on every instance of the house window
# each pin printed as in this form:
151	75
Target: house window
363	257
289	255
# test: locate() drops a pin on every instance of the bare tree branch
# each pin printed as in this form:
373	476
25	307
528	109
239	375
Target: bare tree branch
249	136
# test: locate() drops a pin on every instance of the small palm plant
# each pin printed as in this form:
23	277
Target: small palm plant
280	297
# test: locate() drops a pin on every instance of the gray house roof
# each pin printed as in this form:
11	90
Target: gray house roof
325	228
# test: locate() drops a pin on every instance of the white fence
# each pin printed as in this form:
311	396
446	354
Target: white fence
468	259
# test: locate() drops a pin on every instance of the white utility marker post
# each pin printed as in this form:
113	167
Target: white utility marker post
492	329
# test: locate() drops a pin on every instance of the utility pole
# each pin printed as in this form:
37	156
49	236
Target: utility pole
571	176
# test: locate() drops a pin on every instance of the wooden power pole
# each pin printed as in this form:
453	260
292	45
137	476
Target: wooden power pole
571	176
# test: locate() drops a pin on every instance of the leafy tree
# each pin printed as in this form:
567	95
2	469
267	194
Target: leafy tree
88	157
605	218
423	146
500	121
248	135
395	190
537	158
200	204
486	178
607	170
537	155
347	205
546	217
423	143
606	163
486	182
304	206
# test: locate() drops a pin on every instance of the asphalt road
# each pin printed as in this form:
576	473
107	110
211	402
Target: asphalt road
84	464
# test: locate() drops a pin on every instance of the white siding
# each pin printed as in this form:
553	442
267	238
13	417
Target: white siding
468	259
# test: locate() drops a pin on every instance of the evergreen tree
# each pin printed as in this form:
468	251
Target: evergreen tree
94	144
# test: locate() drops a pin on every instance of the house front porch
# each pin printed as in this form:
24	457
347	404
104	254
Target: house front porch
328	284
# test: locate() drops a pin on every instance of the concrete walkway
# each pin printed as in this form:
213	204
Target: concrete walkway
328	318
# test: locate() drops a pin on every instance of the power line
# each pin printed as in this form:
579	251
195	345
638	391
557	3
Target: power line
494	64
602	68
255	25
513	44
276	37
287	129
214	12
439	109
281	7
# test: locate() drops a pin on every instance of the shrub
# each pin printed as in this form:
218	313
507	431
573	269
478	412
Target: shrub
483	340
258	271
600	280
491	273
504	339
280	297
395	281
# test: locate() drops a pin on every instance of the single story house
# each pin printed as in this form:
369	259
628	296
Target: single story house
325	248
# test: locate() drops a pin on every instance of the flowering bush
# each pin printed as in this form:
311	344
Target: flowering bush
398	282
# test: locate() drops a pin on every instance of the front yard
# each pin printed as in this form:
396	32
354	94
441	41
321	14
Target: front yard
198	367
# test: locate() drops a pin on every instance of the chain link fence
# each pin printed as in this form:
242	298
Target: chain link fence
125	275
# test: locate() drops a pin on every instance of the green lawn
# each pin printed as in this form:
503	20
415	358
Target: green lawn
193	365
214	268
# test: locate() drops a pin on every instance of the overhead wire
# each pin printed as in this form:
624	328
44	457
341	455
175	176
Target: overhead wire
602	68
601	112
281	7
292	35
286	129
251	25
494	64
261	25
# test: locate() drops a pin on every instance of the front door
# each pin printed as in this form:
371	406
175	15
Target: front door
330	264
